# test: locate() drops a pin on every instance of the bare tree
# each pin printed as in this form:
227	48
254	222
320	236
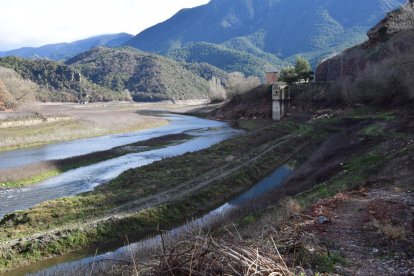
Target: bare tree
217	91
21	90
239	84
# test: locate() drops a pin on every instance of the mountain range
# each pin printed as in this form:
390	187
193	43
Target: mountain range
176	59
268	30
250	36
63	51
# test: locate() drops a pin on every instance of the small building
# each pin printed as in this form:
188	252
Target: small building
281	100
272	78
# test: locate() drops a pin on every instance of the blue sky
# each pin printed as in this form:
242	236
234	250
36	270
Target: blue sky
39	22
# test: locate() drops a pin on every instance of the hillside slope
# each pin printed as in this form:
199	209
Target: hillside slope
227	59
282	28
382	66
15	90
63	51
59	81
146	76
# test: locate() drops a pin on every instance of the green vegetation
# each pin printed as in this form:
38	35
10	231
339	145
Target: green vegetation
301	70
184	187
270	147
229	60
360	167
288	74
32	180
147	77
59	81
262	32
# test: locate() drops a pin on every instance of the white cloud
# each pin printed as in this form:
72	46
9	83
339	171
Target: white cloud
39	22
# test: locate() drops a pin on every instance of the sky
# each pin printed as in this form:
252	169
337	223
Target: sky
38	22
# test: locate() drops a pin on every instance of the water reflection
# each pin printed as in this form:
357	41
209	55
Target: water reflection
87	178
124	253
178	124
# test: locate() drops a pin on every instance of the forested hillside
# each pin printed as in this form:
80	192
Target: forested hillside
271	31
146	76
62	82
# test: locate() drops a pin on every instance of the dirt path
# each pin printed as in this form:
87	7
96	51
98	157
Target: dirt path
372	230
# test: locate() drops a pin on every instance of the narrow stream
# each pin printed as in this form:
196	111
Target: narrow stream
206	132
64	265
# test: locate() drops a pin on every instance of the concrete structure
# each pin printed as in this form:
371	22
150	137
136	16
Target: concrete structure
272	78
281	100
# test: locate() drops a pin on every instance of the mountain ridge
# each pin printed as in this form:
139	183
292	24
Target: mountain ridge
281	28
59	82
63	51
148	77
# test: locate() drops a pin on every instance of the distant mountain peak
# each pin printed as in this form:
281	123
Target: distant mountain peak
63	51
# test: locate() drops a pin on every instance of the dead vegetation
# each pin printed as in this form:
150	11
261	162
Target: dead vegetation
14	89
201	255
386	82
206	256
388	230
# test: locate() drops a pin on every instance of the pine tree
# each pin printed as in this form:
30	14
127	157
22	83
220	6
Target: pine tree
303	68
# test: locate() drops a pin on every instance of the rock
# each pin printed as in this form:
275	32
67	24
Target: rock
323	220
385	40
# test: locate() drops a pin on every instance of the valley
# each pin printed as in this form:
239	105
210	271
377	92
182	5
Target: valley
237	137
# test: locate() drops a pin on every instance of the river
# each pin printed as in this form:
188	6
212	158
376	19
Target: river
206	132
82	261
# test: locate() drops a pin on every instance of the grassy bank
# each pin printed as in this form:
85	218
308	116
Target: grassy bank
162	193
282	227
34	173
172	190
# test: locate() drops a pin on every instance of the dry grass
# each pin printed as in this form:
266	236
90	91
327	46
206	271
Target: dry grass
16	174
14	89
78	123
292	205
205	255
383	82
386	82
388	230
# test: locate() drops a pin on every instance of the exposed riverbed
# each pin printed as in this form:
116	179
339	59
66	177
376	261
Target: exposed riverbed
206	132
